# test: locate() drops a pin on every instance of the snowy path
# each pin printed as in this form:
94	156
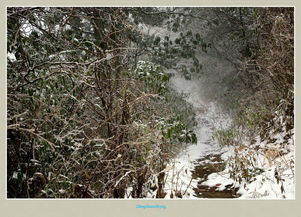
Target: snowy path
200	170
208	117
202	165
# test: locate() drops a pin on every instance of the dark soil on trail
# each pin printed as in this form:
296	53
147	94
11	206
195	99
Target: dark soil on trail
206	166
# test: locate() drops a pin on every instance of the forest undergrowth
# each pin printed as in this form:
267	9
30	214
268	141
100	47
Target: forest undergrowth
91	114
86	117
262	131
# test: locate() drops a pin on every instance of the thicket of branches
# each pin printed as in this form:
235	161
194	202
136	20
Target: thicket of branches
262	95
264	83
86	118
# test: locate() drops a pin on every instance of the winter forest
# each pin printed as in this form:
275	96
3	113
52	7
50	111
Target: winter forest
150	102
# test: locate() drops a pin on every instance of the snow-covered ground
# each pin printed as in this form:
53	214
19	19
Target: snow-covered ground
276	179
272	163
208	117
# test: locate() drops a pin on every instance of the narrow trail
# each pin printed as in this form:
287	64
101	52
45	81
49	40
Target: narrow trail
193	165
200	170
187	172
